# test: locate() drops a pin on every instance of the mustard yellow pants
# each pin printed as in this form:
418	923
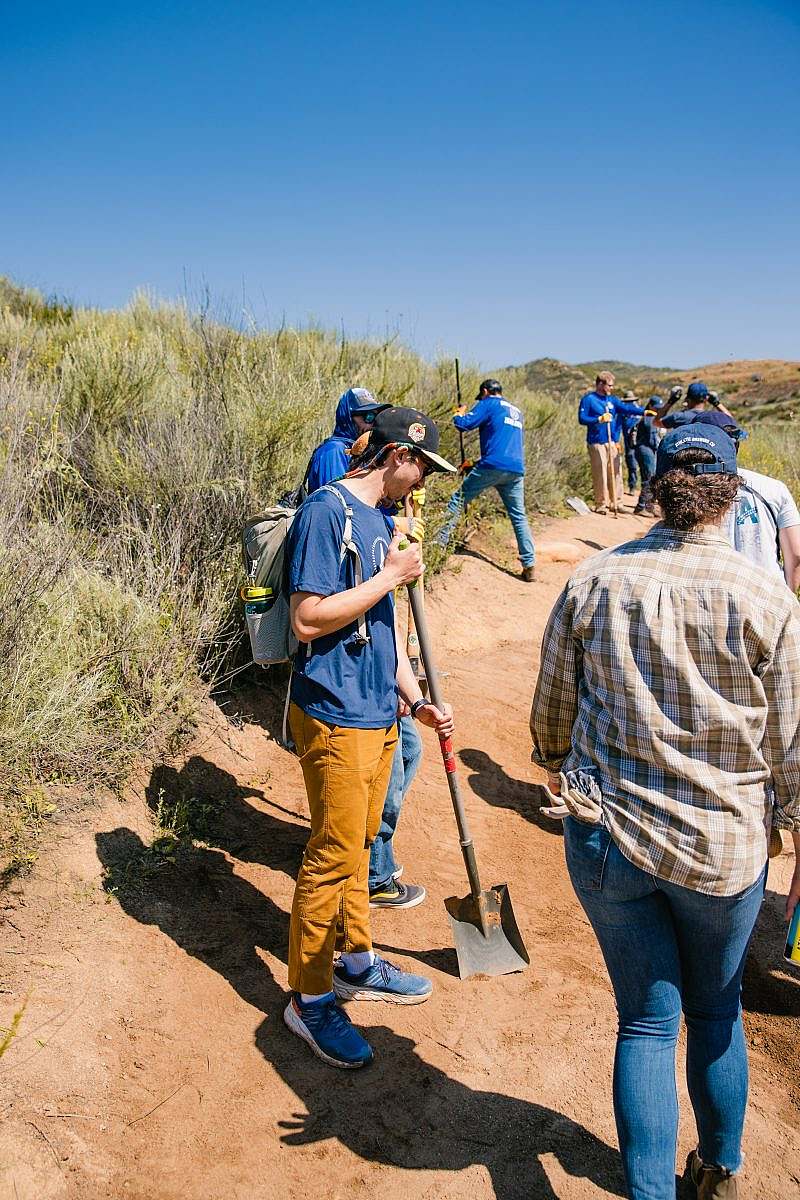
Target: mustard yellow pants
346	772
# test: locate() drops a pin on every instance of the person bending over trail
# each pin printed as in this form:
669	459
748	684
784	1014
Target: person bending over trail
501	466
667	715
349	673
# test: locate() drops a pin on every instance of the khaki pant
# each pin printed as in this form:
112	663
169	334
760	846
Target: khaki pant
346	773
604	459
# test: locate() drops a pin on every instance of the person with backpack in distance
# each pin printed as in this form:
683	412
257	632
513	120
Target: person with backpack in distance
646	440
344	563
667	716
603	414
501	466
329	463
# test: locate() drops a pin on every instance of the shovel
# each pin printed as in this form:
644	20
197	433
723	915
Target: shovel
485	930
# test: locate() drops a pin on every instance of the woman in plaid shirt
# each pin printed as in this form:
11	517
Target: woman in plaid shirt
667	714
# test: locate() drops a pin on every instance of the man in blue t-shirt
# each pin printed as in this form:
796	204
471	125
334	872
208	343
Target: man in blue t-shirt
344	563
501	466
603	414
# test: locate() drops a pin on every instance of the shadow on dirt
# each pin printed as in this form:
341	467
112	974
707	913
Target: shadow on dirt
489	781
400	1112
405	1113
204	801
467	552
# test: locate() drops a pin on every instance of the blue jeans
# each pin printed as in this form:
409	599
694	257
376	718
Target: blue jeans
628	436
512	492
668	948
646	459
407	757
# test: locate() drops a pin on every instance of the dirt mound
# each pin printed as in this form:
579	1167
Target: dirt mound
151	1060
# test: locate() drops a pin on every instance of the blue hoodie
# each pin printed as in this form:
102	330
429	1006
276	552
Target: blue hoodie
501	433
330	459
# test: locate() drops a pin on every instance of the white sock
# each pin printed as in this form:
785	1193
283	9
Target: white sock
358	961
306	999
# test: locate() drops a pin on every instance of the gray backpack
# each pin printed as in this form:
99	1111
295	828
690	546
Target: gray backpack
266	601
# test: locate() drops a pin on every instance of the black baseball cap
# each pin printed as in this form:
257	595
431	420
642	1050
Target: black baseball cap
408	427
697	437
489	385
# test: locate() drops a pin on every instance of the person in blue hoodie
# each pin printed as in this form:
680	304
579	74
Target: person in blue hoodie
355	412
603	414
501	466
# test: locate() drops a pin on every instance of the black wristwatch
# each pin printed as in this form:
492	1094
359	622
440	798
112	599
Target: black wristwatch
417	705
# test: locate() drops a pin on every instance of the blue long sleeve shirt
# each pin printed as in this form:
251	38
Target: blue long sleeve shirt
593	406
501	433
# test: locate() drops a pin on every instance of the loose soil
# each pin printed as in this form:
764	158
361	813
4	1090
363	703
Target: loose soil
151	1060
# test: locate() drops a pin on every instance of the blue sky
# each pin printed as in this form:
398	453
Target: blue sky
576	179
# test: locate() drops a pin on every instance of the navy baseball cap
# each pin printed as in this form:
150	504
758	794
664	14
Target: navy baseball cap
721	421
366	403
697	437
697	391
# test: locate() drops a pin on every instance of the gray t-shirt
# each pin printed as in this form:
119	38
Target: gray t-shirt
753	523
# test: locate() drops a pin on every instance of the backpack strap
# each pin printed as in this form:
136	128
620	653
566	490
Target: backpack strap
349	547
773	515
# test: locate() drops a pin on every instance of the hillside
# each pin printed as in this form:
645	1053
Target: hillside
765	387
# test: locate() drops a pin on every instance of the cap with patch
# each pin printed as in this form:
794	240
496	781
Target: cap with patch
409	427
697	437
697	391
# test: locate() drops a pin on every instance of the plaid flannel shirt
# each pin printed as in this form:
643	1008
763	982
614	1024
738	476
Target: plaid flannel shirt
671	666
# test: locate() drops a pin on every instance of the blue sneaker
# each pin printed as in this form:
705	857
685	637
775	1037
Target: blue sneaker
382	981
328	1031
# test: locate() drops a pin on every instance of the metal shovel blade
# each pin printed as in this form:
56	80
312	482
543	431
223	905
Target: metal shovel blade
500	950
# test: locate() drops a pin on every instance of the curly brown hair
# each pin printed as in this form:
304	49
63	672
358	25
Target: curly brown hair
688	500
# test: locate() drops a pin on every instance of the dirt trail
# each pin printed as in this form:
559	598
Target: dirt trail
151	1061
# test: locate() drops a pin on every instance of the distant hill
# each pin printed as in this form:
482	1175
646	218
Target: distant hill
763	387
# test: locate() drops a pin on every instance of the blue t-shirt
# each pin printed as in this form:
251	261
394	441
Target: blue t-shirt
501	433
336	679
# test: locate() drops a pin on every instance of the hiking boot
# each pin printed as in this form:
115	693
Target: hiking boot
397	895
328	1031
712	1183
528	574
382	981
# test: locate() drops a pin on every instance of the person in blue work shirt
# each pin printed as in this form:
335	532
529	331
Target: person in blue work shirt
602	413
355	412
501	466
647	437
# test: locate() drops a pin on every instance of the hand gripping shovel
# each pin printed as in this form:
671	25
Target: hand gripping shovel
485	931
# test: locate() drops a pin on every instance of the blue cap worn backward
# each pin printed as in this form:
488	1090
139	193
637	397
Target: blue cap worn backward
697	391
697	437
